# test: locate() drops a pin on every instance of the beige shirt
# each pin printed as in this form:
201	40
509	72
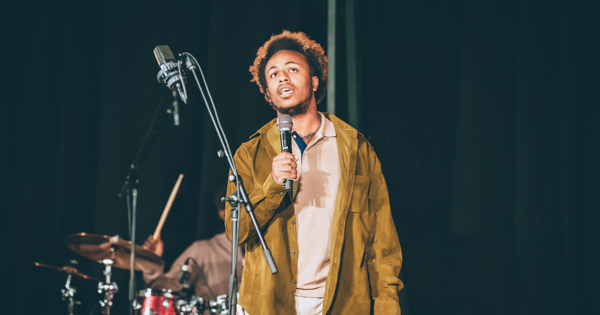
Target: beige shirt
317	186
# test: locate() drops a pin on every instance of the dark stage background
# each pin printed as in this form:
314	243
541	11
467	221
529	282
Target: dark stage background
483	113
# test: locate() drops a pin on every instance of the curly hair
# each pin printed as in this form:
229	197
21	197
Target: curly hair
297	41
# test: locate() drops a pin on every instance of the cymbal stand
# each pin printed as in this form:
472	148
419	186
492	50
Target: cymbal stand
108	287
68	293
130	187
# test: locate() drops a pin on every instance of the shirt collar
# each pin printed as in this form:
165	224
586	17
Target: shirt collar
327	129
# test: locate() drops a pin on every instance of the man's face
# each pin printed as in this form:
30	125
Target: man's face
289	84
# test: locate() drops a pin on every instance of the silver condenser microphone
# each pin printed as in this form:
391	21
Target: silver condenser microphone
170	72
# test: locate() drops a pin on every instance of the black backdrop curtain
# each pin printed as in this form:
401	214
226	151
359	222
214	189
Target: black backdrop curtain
483	114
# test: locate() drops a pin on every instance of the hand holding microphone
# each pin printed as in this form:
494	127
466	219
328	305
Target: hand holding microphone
284	165
284	168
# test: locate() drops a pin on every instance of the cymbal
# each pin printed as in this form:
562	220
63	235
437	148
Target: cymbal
66	269
98	247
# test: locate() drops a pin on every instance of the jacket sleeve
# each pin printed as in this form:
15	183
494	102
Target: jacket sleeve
266	197
384	255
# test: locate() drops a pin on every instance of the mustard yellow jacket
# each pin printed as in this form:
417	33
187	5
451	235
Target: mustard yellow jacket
365	250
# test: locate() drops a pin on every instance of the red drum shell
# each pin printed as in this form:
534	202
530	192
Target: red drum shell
153	303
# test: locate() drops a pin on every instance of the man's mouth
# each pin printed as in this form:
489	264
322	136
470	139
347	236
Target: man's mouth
285	91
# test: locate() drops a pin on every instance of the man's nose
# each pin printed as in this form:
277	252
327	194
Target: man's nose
283	77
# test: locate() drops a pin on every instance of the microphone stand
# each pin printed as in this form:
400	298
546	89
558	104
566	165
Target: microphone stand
241	195
235	228
130	187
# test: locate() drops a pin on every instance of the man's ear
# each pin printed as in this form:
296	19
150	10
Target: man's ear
315	83
267	93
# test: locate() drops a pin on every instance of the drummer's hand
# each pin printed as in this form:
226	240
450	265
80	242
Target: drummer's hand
156	246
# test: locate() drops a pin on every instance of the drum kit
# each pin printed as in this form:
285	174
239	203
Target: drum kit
115	252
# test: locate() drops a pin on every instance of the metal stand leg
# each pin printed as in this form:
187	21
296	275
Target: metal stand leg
108	287
68	293
235	223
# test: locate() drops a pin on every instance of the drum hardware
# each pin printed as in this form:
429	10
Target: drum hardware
114	252
195	306
111	252
68	293
220	306
168	301
107	287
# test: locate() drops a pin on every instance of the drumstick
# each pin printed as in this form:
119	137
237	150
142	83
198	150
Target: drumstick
165	213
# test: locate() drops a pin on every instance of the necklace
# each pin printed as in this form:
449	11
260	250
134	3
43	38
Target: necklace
314	133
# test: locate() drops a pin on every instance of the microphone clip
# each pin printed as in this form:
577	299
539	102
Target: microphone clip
184	277
171	75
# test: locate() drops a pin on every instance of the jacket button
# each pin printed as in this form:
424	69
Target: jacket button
281	193
293	222
293	252
294	281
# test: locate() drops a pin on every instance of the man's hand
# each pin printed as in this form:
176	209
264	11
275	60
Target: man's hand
284	167
156	246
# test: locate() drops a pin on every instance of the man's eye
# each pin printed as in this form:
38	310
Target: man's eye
273	74
293	70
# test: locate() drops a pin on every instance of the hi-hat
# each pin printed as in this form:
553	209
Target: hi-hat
98	247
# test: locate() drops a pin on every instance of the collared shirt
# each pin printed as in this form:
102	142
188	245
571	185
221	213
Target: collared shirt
314	201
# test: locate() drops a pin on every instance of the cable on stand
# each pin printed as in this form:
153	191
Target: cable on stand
240	196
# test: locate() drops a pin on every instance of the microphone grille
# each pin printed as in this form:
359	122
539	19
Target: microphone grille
284	122
163	54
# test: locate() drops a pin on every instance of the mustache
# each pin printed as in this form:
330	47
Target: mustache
298	109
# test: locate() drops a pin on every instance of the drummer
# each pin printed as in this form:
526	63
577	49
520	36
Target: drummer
209	263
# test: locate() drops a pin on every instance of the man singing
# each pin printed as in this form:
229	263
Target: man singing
333	238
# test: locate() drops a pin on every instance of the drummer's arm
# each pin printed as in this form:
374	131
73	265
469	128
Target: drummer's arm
151	272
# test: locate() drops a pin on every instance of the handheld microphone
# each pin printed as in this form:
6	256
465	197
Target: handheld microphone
170	70
284	123
184	275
